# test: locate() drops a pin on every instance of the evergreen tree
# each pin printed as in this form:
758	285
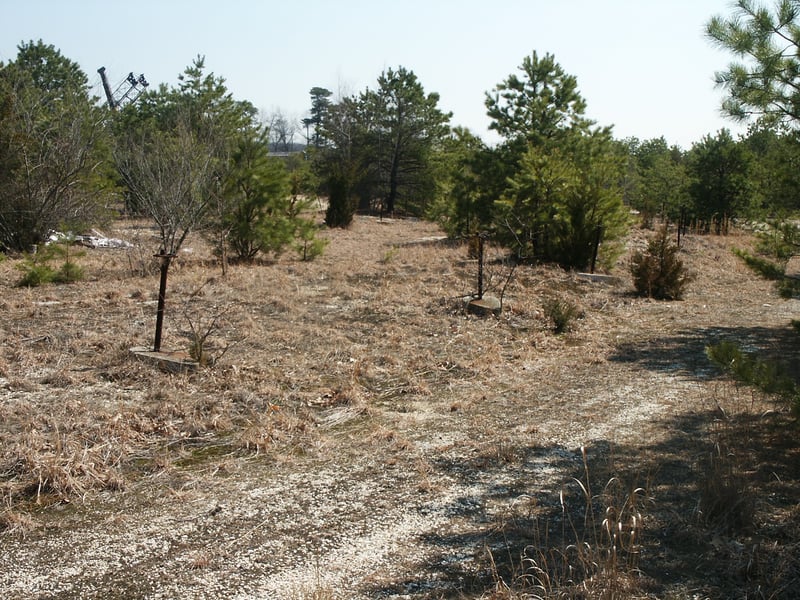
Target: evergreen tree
765	83
463	203
381	145
537	107
775	171
320	103
260	216
341	165
659	272
720	189
562	176
562	199
405	126
662	179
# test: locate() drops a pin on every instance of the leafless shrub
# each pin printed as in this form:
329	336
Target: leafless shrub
206	322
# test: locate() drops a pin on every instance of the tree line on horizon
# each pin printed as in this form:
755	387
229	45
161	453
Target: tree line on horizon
190	156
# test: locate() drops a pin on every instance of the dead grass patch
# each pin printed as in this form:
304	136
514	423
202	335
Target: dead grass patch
362	369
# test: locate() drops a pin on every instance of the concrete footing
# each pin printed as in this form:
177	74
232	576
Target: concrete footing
483	307
170	361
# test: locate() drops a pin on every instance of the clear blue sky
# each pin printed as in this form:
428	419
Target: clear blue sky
642	65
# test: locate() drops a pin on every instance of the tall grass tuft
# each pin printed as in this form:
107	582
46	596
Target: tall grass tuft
598	552
726	502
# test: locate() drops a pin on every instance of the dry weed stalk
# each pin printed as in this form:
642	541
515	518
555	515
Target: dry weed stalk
727	502
594	556
205	322
16	522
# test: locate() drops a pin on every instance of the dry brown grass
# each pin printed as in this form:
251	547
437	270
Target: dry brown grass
363	367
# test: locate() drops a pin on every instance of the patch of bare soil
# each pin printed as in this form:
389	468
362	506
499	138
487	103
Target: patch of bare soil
361	436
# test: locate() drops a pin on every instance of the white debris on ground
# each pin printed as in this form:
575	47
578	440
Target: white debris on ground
93	239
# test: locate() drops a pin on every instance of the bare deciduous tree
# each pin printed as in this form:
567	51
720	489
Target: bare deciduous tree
282	130
169	174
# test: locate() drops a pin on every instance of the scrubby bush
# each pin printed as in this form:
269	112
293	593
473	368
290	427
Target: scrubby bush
748	368
37	268
658	272
35	271
54	151
787	287
307	244
342	203
766	268
781	241
562	314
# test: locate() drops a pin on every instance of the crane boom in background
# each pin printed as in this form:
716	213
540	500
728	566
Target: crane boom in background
126	92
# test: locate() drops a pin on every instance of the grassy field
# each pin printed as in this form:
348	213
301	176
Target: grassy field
356	434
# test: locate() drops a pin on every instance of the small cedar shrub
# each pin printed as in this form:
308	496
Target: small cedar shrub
37	269
35	274
562	314
342	204
658	272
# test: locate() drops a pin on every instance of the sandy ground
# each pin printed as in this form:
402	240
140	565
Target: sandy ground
419	436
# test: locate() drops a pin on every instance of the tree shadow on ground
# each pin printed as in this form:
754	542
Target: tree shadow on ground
683	352
718	501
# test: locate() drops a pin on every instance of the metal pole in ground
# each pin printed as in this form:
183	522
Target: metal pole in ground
162	296
481	237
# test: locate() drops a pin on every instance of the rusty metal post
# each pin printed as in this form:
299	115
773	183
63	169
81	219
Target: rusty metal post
162	296
481	237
